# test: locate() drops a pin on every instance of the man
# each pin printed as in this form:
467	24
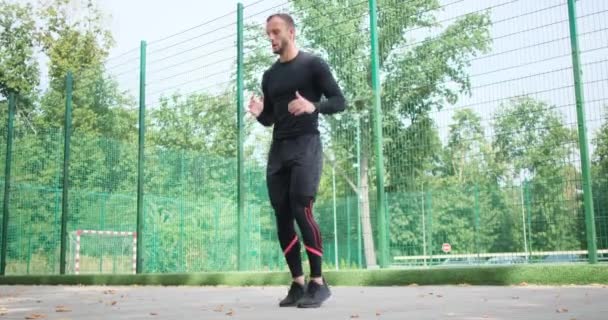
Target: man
292	88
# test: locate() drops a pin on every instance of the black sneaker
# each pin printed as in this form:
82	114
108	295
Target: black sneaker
296	292
315	295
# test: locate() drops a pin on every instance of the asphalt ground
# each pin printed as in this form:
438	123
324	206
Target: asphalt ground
222	302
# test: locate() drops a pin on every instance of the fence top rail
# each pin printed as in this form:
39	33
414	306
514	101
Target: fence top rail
497	254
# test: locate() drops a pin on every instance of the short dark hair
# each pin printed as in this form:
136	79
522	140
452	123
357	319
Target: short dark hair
285	17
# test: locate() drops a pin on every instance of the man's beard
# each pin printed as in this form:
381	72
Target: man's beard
281	48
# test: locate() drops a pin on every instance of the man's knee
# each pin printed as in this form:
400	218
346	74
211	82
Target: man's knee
300	201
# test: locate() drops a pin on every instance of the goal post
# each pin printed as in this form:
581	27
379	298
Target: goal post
97	247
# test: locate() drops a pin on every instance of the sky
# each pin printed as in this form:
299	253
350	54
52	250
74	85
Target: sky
191	46
136	20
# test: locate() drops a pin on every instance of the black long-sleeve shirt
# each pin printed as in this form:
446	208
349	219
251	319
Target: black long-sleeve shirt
311	77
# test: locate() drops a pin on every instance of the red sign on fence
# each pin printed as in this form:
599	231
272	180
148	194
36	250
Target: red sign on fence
446	247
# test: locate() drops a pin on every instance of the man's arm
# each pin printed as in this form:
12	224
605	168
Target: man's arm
266	117
335	99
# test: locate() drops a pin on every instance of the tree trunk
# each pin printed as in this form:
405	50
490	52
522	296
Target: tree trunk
366	223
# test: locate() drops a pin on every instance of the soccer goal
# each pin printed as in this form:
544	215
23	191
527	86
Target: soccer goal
102	251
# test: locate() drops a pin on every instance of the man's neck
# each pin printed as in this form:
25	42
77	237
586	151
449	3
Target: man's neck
289	54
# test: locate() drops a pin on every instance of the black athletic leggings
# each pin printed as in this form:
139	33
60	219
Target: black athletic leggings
293	173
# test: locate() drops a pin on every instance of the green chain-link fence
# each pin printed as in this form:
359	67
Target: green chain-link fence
481	152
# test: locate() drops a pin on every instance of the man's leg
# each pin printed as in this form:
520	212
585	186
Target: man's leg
288	238
278	180
302	206
304	183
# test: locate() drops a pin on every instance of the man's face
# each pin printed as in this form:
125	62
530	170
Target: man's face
280	34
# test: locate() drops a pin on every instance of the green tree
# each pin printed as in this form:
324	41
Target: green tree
73	44
465	145
533	146
600	179
81	45
193	143
3	116
199	122
19	69
468	203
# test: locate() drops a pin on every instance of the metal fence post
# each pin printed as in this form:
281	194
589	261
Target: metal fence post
66	172
7	182
582	135
140	158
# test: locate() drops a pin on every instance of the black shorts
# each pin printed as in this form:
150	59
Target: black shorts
294	167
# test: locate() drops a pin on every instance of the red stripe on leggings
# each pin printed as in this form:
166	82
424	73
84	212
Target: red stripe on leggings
311	223
314	226
314	251
290	246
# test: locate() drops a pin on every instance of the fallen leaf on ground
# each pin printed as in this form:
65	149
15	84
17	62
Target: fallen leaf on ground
113	303
36	316
153	313
62	309
561	310
230	313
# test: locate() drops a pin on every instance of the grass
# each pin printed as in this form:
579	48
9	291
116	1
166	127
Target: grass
576	274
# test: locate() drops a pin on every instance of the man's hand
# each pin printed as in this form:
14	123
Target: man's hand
256	105
300	106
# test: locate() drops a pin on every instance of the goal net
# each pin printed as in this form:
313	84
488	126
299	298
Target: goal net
99	252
